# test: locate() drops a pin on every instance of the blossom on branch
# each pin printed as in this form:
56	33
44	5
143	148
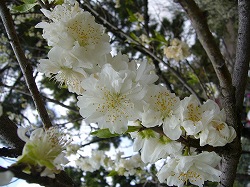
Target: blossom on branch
195	169
75	29
111	99
98	159
216	132
78	43
129	166
64	69
43	151
177	50
154	146
160	104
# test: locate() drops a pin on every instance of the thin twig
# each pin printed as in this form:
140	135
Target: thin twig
201	84
74	109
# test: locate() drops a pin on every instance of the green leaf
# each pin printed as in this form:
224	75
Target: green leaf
133	128
159	37
112	173
132	17
105	133
24	7
132	35
29	1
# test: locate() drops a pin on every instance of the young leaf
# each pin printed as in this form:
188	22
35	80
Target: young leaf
112	173
105	133
132	17
24	7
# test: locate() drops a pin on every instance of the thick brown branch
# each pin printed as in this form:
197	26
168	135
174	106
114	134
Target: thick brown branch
243	52
207	40
231	157
24	65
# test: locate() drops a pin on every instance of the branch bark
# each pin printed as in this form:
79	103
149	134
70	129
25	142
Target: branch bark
8	133
242	53
231	157
24	64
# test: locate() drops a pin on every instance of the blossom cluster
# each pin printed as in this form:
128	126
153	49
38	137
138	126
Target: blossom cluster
132	165
114	91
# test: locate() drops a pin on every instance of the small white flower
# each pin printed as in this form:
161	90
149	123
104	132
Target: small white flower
177	50
129	166
92	163
145	73
64	69
193	116
153	146
217	132
160	105
143	70
5	177
44	148
111	99
195	169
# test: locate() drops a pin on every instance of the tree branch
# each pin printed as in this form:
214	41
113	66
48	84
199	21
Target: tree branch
231	157
61	179
24	65
8	133
242	53
13	153
207	41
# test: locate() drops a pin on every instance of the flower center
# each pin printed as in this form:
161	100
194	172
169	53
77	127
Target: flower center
219	127
193	112
69	77
85	34
192	176
164	103
115	105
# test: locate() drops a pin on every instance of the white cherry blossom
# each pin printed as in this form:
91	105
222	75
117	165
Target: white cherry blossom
160	105
154	146
217	132
195	168
177	50
64	69
44	148
92	163
111	99
192	116
77	32
129	166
